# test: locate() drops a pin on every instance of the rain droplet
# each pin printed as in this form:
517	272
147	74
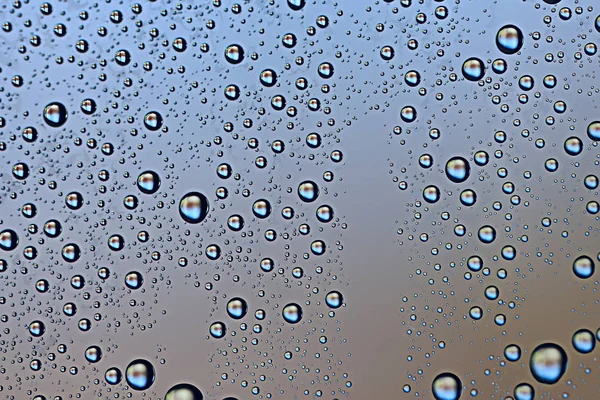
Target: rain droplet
148	182
140	374
584	341
548	363
509	39
446	386
292	313
193	207
458	169
55	114
184	391
473	69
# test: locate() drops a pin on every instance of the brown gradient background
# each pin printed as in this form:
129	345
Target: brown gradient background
377	267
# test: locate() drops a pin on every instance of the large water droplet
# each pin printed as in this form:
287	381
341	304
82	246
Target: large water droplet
473	69
458	169
584	341
184	391
55	114
509	39
148	182
193	207
140	374
548	363
446	386
237	308
292	313
584	267
8	240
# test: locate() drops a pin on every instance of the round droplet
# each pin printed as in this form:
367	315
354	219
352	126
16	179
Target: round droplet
268	77
88	106
140	374
296	5
408	114
593	131
458	169
193	207
74	200
548	363
237	308
184	391
387	52
234	54
573	146
93	354
512	352
148	182
113	376
134	280
487	234
334	299
37	328
584	267
153	121
292	313
509	39
116	242
325	70
8	240
584	341
217	330
261	208
325	213
476	312
412	78
473	69
20	171
446	386
267	264
55	114
524	391
431	194
71	252
308	191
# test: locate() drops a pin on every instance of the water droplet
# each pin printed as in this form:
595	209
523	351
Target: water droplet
113	376
548	363
93	354
55	114
153	121
512	352
8	240
140	374
334	299
446	386
134	280
148	182
573	146
584	267
193	207
473	69
458	169
487	234
184	391
584	341
308	191
237	308
292	313
37	328
217	330
509	39
234	54
524	391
